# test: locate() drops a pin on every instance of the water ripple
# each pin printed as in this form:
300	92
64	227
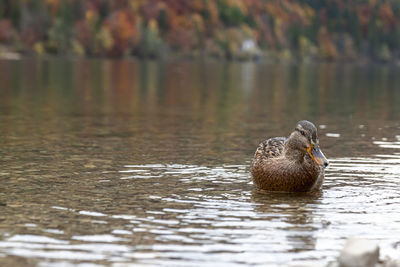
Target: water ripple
210	215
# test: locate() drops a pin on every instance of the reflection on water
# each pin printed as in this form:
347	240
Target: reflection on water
114	162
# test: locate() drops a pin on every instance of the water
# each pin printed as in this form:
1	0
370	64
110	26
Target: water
125	162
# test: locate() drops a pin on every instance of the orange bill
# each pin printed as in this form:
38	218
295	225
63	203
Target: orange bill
317	156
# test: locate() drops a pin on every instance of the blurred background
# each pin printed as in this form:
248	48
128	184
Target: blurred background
127	129
234	29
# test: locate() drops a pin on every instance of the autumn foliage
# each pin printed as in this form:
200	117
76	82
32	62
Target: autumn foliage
224	28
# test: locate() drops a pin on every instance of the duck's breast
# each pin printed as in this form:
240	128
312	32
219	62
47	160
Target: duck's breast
278	174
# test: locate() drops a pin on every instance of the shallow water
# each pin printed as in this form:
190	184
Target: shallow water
127	162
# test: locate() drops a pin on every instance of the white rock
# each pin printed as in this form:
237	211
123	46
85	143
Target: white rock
359	252
392	263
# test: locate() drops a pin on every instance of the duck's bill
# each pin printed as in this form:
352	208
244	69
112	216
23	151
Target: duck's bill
317	156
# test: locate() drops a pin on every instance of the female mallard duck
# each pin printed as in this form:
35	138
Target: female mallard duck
293	164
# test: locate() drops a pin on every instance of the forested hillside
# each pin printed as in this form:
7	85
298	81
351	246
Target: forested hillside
333	29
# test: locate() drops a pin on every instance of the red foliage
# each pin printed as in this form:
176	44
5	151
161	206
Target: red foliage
123	30
386	15
29	37
180	39
94	5
116	5
178	6
364	14
83	34
149	11
5	30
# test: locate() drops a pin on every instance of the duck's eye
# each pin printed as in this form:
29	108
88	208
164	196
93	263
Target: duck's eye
302	133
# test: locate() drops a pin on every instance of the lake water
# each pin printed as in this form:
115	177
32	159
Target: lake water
108	162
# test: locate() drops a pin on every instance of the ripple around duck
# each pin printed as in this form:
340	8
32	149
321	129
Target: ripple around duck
228	173
210	215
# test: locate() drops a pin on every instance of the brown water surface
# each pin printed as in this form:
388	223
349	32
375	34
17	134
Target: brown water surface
128	162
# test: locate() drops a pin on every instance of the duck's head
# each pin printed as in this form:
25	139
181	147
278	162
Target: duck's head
305	139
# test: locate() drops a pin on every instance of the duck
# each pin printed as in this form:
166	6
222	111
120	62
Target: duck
290	164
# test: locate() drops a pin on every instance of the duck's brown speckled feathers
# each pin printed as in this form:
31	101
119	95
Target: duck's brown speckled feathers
270	148
293	164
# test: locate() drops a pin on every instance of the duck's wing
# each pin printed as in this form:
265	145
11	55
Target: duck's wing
270	148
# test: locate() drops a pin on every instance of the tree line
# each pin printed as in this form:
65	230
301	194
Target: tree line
332	29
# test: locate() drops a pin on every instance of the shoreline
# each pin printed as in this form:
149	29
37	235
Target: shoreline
6	53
